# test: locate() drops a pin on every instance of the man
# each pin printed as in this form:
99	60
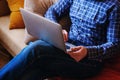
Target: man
95	30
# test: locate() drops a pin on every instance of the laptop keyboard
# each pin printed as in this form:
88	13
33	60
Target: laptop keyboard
67	46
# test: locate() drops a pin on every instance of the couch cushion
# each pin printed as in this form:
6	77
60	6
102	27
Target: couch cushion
38	6
16	20
4	9
12	40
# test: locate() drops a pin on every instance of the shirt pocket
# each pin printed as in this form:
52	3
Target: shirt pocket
88	14
95	16
101	16
92	16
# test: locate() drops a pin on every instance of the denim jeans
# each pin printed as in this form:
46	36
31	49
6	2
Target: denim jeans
45	60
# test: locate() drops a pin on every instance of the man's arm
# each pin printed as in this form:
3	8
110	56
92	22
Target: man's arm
112	45
59	9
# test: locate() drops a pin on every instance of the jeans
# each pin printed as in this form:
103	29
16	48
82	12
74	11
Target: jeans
45	60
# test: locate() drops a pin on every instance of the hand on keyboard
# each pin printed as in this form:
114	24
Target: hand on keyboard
78	53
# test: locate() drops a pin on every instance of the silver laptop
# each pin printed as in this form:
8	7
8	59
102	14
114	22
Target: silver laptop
44	29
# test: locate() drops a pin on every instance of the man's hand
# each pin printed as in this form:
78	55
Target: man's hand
78	53
65	35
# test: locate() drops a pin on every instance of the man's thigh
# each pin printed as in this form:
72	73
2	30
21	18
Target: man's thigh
70	68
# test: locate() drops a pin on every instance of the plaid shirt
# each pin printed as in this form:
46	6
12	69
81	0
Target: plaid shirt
95	24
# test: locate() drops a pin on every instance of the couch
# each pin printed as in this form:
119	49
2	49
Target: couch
14	40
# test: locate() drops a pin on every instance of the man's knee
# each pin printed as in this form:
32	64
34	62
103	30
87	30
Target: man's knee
40	45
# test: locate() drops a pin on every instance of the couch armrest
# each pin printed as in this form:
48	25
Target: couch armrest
12	40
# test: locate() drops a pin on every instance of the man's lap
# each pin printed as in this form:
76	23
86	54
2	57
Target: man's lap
58	63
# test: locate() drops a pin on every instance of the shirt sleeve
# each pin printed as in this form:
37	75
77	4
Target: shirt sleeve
112	45
60	8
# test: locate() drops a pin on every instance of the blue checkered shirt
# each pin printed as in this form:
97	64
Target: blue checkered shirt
95	24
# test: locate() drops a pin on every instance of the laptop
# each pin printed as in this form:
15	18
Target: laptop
44	29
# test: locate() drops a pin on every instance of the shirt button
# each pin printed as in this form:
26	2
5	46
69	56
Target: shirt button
88	35
80	19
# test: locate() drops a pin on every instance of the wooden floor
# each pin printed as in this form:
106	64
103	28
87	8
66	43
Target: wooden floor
5	57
